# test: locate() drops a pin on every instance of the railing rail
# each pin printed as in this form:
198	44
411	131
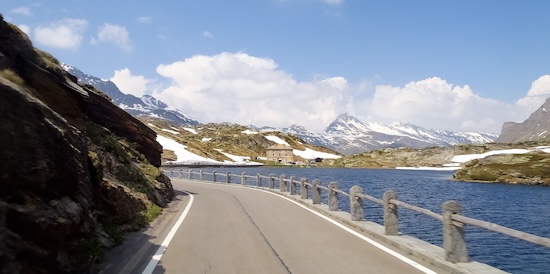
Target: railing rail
453	222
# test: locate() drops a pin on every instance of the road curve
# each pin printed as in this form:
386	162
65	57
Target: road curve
231	229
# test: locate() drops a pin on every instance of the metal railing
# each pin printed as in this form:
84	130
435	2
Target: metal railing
453	222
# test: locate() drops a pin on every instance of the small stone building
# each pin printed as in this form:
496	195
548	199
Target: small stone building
280	153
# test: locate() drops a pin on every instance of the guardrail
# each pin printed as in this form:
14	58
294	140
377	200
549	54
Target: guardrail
454	223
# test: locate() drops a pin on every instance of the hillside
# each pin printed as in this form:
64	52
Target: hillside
215	141
427	157
76	171
534	128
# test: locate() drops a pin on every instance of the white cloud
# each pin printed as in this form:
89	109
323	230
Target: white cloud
334	2
207	34
22	11
63	34
113	34
145	19
537	94
26	29
434	103
240	88
237	87
128	83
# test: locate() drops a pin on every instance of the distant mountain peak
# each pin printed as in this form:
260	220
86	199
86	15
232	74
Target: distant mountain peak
146	106
347	134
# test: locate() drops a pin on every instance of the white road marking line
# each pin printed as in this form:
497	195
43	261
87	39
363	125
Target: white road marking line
162	248
355	233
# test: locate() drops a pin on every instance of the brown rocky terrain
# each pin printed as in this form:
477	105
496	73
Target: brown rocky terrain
408	157
534	128
227	137
531	169
76	172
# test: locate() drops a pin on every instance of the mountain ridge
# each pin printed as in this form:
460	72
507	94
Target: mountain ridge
534	128
146	106
348	135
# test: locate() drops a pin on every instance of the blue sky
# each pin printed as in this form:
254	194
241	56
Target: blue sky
459	65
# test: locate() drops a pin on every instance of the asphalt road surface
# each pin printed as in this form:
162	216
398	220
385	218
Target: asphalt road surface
231	229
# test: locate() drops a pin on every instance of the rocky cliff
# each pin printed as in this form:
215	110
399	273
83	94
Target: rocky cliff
535	128
76	172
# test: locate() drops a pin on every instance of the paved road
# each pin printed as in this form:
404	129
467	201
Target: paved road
231	229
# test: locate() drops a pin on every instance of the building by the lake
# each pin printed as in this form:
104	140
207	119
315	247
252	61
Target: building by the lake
280	153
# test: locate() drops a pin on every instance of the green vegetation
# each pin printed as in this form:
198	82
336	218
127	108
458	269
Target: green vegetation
10	75
49	61
93	248
118	160
532	168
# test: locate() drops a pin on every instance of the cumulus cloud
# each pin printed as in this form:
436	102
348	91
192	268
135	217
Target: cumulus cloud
237	87
63	34
434	103
240	88
113	34
128	83
537	94
22	11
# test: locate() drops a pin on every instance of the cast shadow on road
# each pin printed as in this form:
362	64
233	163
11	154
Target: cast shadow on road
138	248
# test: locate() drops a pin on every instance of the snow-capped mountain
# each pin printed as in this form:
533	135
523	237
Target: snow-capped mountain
348	135
146	106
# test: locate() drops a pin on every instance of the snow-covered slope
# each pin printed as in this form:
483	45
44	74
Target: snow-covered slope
348	135
146	106
308	153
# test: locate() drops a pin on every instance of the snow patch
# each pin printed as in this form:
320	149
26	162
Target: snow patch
469	157
182	154
171	131
238	159
277	140
190	130
312	154
249	132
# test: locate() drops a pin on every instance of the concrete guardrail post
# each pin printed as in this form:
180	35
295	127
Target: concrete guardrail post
292	185
271	181
391	220
214	176
228	178
332	196
282	183
259	180
453	235
316	192
201	177
356	203
303	188
190	175
243	178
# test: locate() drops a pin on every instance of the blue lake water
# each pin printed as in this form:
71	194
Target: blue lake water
525	208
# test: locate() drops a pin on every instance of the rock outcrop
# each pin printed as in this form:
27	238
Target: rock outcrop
535	128
76	172
530	169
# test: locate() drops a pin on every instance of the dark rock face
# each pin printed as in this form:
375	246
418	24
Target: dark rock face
60	182
535	128
104	113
